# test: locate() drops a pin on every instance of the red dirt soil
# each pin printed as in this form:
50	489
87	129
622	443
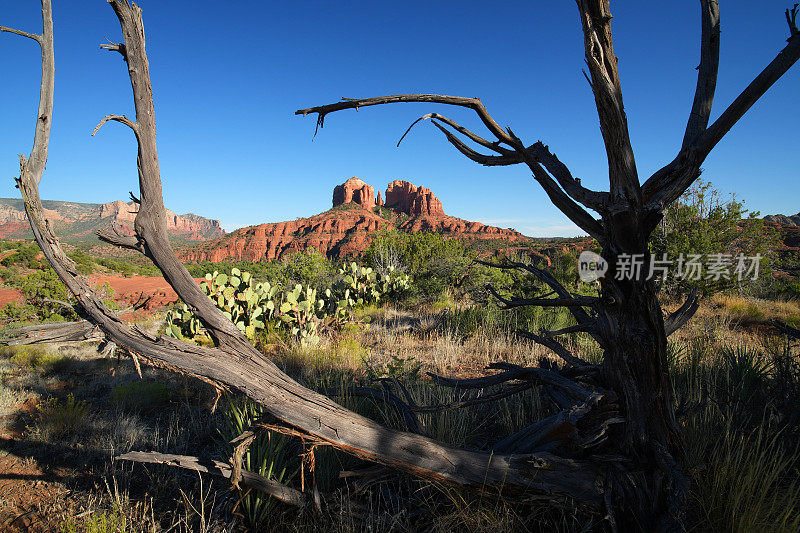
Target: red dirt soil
128	291
8	296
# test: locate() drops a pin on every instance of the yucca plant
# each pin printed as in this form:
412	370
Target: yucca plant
267	455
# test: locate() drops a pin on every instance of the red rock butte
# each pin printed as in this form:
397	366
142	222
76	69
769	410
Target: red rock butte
354	191
348	227
404	197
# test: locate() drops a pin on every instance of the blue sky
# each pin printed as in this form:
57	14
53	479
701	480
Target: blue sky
227	81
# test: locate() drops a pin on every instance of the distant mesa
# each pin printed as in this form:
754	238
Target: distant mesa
402	196
793	220
78	221
789	230
348	228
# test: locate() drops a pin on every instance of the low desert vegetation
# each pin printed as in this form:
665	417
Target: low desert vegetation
738	397
736	382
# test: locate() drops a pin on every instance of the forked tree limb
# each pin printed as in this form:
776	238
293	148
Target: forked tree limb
571	300
557	348
580	315
434	117
561	430
537	151
557	195
122	119
237	365
354	103
150	221
669	182
706	72
114	237
37	161
535	375
476	400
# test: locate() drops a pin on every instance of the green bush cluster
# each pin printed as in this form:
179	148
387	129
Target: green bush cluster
308	268
24	255
702	223
61	419
434	262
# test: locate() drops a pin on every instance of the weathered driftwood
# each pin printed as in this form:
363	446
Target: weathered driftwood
277	490
81	330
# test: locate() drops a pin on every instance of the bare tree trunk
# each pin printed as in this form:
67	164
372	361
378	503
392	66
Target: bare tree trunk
652	495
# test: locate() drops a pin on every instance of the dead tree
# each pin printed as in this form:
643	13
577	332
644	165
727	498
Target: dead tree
589	456
626	318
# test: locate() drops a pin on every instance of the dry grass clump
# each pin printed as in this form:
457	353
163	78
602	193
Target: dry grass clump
750	311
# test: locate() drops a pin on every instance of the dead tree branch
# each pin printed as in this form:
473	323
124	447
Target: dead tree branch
558	349
569	301
34	165
534	375
682	315
518	153
668	183
564	431
80	330
268	486
787	329
706	72
122	119
607	89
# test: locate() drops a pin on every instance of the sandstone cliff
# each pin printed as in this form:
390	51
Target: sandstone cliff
335	233
405	197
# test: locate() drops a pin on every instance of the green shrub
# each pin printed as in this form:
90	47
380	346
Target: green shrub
83	261
14	312
434	262
31	357
40	287
701	223
309	268
58	420
26	255
106	522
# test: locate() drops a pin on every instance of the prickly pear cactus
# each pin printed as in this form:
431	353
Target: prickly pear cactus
181	323
299	311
